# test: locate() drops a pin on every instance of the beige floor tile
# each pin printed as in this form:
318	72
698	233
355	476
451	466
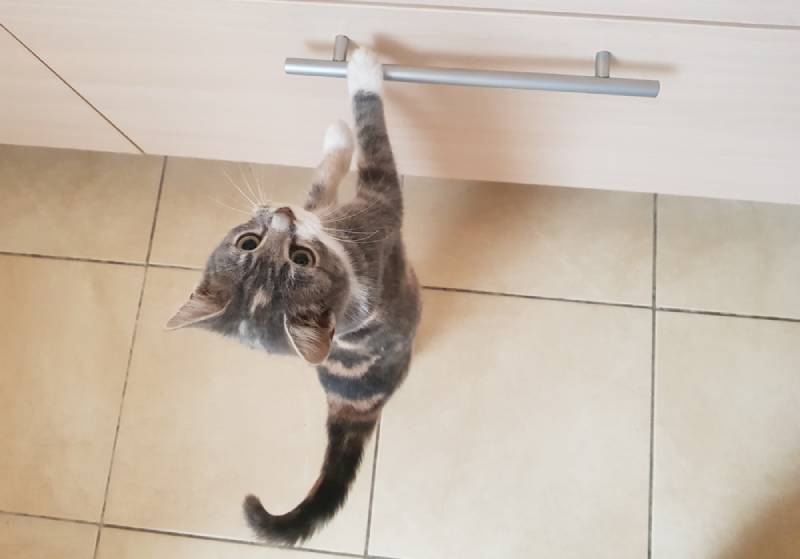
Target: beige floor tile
530	240
727	444
721	255
200	203
37	538
207	421
127	544
77	203
496	237
64	340
522	431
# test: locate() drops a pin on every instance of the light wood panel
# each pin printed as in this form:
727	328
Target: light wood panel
763	12
207	80
36	108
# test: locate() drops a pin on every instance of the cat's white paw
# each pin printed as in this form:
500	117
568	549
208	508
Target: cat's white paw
338	137
364	72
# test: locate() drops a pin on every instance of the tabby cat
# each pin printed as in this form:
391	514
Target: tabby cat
330	282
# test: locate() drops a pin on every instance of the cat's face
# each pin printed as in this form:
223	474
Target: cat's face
278	281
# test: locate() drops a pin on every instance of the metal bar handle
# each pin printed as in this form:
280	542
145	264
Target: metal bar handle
600	83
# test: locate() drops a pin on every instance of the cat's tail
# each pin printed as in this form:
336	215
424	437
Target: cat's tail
346	440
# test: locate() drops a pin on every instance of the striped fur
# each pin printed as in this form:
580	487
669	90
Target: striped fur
354	313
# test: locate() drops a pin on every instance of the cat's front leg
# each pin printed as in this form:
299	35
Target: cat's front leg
377	174
337	153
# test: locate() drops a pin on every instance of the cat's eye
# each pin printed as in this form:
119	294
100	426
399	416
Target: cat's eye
248	242
301	257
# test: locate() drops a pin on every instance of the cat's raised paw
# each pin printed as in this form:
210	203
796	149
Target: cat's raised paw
364	72
338	137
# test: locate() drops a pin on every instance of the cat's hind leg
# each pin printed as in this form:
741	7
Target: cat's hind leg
337	152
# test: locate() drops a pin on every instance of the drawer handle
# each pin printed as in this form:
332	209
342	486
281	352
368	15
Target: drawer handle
600	83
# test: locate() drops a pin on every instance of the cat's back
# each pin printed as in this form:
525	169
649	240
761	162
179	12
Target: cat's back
400	294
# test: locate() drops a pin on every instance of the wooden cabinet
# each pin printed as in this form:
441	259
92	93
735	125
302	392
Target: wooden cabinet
37	108
764	12
206	79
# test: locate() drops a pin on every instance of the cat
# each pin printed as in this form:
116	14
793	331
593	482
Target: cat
330	282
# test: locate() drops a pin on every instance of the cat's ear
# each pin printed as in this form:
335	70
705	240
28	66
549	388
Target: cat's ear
311	336
200	307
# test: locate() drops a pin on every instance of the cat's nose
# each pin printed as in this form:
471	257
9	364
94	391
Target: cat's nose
282	219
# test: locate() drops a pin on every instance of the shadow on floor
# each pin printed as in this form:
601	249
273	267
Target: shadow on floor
773	534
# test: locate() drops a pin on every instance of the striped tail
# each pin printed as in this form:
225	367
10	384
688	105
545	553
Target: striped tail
346	440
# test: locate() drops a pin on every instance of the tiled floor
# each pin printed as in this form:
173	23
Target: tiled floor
561	404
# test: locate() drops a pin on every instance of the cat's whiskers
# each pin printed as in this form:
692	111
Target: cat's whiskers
346	230
354	214
326	211
224	205
249	186
249	201
348	235
257	180
361	240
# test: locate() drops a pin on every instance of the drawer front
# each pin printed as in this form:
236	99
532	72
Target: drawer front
765	12
39	109
208	81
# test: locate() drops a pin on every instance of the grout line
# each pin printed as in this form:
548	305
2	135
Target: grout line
654	278
547	13
70	258
318	551
372	487
536	297
651	466
75	91
223	539
729	314
426	287
174	267
130	358
48	517
155	212
188	535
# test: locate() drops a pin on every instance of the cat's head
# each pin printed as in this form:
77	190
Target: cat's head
278	281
